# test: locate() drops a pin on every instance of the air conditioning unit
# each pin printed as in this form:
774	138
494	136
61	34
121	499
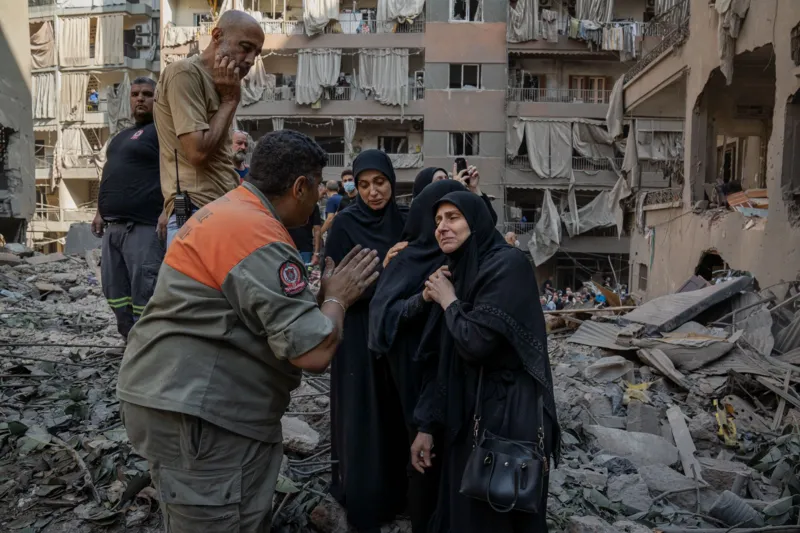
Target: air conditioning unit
650	5
143	41
143	29
416	126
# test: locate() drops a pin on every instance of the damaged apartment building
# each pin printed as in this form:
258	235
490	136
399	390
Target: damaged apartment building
84	53
566	182
729	69
16	132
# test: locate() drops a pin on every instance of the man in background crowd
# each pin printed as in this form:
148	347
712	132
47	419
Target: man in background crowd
349	185
240	154
332	204
308	238
196	100
128	218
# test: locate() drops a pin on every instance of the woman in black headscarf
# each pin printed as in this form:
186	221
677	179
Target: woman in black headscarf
367	435
433	174
487	315
397	317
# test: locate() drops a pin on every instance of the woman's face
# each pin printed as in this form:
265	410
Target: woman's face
439	175
451	228
375	189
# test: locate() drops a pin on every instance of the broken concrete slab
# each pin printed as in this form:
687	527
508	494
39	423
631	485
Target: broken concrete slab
599	335
684	442
298	436
608	369
589	524
692	346
643	418
658	360
9	259
601	410
661	478
722	474
631	491
18	249
626	526
48	287
80	239
640	448
585	476
668	312
46	258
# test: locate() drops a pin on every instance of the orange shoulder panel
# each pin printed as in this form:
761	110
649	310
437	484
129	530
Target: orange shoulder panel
221	234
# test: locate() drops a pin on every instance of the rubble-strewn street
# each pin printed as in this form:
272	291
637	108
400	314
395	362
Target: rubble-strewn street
679	415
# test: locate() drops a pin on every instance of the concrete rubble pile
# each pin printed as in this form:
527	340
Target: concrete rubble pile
682	414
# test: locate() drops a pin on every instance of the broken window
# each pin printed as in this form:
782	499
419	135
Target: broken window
199	18
393	145
466	11
642	281
796	44
463	143
790	174
465	76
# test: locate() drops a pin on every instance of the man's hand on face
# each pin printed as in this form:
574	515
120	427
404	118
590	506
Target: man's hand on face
226	79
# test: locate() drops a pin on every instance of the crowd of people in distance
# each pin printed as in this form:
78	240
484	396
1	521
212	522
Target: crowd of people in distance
553	299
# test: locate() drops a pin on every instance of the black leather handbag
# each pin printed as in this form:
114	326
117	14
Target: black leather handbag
509	475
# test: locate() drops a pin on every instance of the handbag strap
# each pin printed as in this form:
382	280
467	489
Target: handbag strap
476	417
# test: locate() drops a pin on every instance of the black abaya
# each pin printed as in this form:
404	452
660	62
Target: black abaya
495	323
425	178
397	317
368	438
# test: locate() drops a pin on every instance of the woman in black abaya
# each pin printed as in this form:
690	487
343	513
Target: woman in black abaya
470	178
368	438
487	314
397	317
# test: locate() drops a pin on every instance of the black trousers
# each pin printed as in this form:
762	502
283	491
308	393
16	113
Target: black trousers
132	255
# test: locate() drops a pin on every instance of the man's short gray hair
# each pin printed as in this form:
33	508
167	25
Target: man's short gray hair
144	80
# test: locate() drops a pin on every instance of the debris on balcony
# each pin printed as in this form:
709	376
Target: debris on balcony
750	203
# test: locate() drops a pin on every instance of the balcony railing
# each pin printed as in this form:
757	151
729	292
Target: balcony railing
520	228
569	96
51	213
519	162
672	26
663	196
376	26
592	165
44	161
335	160
37	3
285	93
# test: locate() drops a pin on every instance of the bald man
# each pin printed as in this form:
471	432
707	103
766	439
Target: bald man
196	99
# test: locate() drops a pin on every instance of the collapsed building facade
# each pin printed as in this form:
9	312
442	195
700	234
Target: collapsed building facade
730	70
16	131
79	48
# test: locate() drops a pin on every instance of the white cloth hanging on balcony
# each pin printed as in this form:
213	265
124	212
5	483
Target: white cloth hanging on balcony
515	133
277	123
43	47
349	135
390	12
630	165
731	16
616	109
592	141
549	147
227	5
546	237
108	48
74	145
73	96
44	95
118	105
256	82
178	35
384	72
73	42
318	13
523	21
406	160
594	10
317	68
549	26
89	3
604	211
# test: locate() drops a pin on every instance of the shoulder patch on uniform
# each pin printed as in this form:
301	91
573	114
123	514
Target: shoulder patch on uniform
292	278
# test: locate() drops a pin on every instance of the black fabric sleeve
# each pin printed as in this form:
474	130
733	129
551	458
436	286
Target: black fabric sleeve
491	209
474	341
412	307
428	414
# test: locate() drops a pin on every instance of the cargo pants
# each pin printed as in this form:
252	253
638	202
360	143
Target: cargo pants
208	479
132	255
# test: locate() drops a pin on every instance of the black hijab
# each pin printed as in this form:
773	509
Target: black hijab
423	179
496	285
360	224
406	274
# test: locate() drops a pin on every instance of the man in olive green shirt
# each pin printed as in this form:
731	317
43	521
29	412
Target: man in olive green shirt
209	367
196	99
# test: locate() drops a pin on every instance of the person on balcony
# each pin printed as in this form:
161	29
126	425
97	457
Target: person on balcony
94	100
128	218
196	101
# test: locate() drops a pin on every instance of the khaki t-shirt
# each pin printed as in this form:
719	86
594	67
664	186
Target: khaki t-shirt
185	102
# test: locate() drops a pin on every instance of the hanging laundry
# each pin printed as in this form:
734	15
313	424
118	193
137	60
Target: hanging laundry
574	28
549	24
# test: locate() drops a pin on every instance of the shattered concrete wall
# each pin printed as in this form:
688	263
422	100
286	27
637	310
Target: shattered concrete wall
771	248
18	189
